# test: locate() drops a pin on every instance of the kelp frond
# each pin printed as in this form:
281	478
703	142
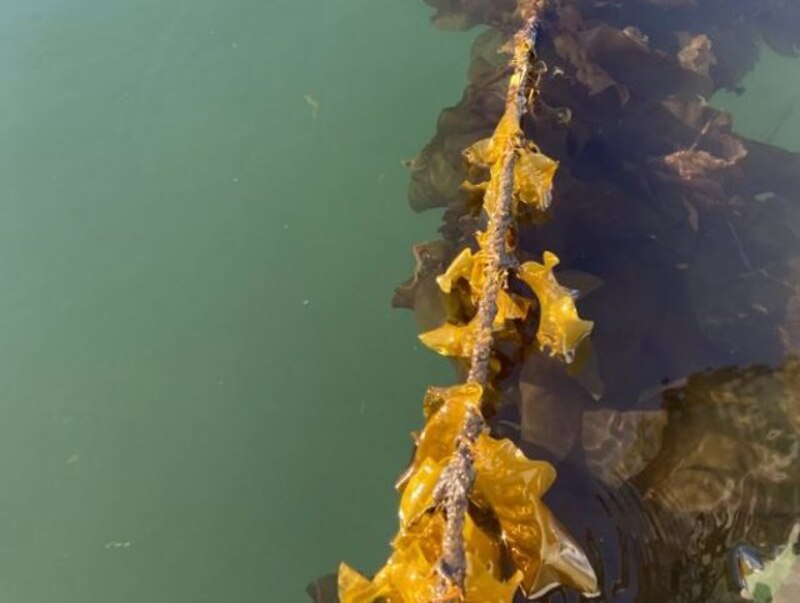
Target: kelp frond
441	553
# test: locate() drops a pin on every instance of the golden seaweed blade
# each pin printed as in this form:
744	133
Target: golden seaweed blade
561	329
511	486
409	576
452	339
533	171
439	437
439	553
533	178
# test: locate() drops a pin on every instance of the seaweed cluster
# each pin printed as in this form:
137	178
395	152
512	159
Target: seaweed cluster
677	239
683	240
472	524
655	190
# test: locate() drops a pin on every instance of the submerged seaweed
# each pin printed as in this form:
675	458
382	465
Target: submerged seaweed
684	239
675	427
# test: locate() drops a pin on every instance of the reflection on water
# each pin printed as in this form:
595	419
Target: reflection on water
667	495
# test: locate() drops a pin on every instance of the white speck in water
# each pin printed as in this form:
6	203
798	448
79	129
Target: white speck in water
114	544
306	302
234	45
286	227
313	104
74	458
236	180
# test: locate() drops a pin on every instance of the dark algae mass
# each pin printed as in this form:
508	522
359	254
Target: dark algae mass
617	283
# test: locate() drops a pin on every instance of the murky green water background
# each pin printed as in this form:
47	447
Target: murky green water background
205	394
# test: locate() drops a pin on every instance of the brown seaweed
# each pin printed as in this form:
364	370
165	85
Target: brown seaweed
694	232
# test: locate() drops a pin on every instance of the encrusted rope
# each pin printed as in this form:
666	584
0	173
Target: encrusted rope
457	479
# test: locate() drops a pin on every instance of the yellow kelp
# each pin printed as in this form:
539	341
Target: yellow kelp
460	477
508	486
560	327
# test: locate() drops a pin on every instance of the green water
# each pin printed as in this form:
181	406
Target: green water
198	353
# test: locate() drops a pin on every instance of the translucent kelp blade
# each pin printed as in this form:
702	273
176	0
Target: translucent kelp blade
560	327
507	128
477	154
426	532
409	575
483	586
466	266
451	340
355	588
533	178
445	411
418	493
460	268
509	307
413	576
511	485
565	563
438	439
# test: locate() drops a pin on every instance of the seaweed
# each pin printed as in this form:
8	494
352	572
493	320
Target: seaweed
472	524
677	242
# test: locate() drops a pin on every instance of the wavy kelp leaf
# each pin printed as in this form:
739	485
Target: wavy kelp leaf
560	327
466	266
483	586
458	341
489	151
451	339
429	259
426	532
477	154
418	494
438	440
355	588
493	188
510	307
507	129
551	403
409	575
511	485
445	411
533	178
469	267
695	53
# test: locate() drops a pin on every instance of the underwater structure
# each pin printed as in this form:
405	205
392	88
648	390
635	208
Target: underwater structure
617	282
